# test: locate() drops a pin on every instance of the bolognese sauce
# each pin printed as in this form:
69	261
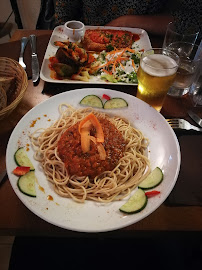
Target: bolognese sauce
89	164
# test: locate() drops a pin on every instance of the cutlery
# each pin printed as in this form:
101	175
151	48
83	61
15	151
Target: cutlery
35	62
182	124
24	41
195	117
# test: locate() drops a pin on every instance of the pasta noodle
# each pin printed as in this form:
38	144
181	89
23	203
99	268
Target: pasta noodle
110	185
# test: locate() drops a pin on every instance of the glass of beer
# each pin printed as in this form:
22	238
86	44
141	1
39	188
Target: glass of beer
156	73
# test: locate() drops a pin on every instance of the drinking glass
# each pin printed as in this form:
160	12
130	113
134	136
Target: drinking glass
155	75
186	73
182	44
195	91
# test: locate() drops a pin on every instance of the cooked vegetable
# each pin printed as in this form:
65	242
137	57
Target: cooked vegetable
64	58
84	129
136	203
114	103
72	51
21	170
26	184
22	159
152	180
63	70
93	119
85	136
92	100
101	151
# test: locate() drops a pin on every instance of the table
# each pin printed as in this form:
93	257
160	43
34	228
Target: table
16	219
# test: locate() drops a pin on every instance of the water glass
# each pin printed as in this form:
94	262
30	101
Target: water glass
195	91
183	44
186	73
173	38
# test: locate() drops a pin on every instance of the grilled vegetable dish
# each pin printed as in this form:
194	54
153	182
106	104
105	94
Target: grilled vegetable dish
108	55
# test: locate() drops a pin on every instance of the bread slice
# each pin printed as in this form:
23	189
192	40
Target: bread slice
6	83
3	98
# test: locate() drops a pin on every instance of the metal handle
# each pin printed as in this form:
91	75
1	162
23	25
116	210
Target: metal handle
24	41
33	43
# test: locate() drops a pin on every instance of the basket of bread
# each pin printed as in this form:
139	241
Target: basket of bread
13	84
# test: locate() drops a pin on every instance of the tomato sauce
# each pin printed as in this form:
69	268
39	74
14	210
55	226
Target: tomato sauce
117	38
89	164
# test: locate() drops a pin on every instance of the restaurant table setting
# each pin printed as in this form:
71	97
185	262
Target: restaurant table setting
180	209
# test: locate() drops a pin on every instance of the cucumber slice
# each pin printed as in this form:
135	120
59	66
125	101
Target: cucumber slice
22	159
114	103
136	203
92	101
153	179
26	184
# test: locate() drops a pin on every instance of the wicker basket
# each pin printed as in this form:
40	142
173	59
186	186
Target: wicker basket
11	68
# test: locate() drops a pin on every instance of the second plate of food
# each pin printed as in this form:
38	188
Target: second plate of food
66	62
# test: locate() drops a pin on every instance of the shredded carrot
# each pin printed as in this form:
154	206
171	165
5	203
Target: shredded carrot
114	59
121	65
91	58
130	50
133	64
107	71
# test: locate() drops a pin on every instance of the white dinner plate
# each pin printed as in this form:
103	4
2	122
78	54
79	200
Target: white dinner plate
163	151
58	35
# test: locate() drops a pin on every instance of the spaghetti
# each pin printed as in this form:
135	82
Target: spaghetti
115	183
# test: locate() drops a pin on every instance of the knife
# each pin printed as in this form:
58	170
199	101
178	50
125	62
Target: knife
35	62
195	117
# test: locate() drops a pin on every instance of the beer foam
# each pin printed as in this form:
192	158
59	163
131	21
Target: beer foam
159	65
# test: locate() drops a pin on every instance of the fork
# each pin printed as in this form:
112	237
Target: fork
24	41
182	124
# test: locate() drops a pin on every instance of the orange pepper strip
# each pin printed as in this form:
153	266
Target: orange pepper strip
101	151
96	124
85	136
84	129
100	148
